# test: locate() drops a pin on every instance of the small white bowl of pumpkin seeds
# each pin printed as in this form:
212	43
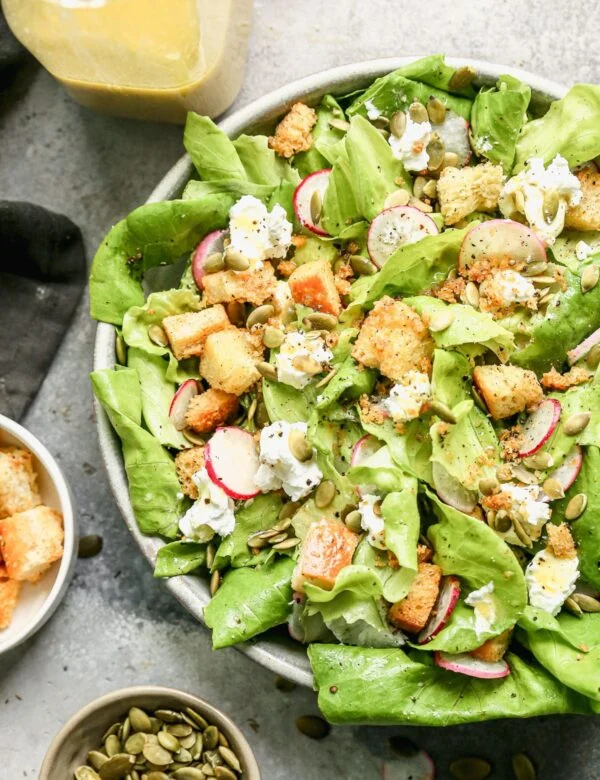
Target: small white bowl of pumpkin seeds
149	733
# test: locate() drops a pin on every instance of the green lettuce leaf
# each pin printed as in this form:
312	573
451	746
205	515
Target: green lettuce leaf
154	489
325	137
450	378
284	402
351	381
260	163
249	602
411	450
196	190
259	515
583	398
385	687
340	208
563	249
315	248
379	471
434	72
213	154
177	558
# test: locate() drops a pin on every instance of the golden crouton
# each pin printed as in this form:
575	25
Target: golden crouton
18	481
461	191
552	380
586	215
412	613
9	593
188	463
313	284
328	547
424	553
210	409
31	542
253	287
394	339
292	134
3	571
560	541
229	361
507	390
494	649
188	332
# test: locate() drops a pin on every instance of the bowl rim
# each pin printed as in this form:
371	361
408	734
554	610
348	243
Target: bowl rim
281	657
69	557
136	692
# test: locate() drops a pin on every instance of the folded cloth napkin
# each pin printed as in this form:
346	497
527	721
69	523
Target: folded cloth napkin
42	276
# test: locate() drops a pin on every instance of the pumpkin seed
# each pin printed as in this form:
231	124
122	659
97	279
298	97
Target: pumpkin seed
288	510
470	768
353	521
540	461
135	743
213	263
194	437
307	365
299	446
236	261
436	151
436	110
213	758
86	773
188	773
120	349
472	295
158	336
210	555
523	767
89	546
398	124
125	730
504	472
283	525
339	124
313	726
139	720
542	280
325	494
535	269
157	755
576	506
224	773
288	313
462	77
553	488
430	189
96	758
550	205
521	533
397	198
287	544
545	299
442	411
576	423
524	475
196	717
488	486
169	716
327	378
418	112
593	358
211	737
589	277
502	522
208	770
380	122
236	311
316	207
450	160
418	186
267	370
112	745
168	741
278	538
272	337
110	730
441	320
257	542
362	266
183	756
215	581
319	321
262	415
116	767
260	315
230	758
421	205
573	607
586	603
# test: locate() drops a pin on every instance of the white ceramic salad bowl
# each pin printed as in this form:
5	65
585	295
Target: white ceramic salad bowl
276	652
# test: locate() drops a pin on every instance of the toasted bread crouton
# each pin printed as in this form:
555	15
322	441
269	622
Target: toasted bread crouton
560	541
210	409
412	613
31	542
188	463
328	547
313	284
586	214
424	553
3	571
461	191
552	380
253	287
229	362
188	332
293	133
394	339
18	481
9	593
494	649
507	390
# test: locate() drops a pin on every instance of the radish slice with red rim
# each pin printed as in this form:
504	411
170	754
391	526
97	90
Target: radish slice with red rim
539	427
396	227
210	244
308	200
181	401
444	607
454	132
451	491
463	663
581	350
499	241
569	469
231	460
362	451
418	766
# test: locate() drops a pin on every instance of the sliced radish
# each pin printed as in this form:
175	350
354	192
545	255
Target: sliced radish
569	470
396	227
181	401
500	240
454	132
210	244
444	607
362	451
303	197
419	766
539	427
463	663
581	350
451	491
231	460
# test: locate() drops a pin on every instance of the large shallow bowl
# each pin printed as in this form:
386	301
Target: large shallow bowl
272	650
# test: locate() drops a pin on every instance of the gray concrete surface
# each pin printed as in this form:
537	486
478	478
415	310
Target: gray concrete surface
117	626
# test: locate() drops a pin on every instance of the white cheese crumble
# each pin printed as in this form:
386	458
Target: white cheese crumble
279	468
256	234
213	509
406	400
582	250
530	504
372	111
551	580
484	605
525	193
508	287
411	147
296	344
371	522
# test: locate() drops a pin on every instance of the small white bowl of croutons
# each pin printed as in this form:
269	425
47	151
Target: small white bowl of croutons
38	534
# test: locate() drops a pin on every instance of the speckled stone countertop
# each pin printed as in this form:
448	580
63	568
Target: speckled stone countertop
117	626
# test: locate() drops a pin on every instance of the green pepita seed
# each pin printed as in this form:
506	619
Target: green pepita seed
169	716
214	263
215	581
213	758
230	758
198	719
339	124
116	767
224	773
135	743
362	266
488	486
125	730
593	358
183	756
198	747
112	745
504	472
211	737
450	160
289	510
278	538
436	151
307	365
353	521
188	773
586	603
418	112
316	207
287	544
236	311
576	423
283	525
436	111
319	321
267	370
443	411
313	726
523	767
550	205
589	278
540	461
573	607
208	770
168	741
89	546
545	299
157	775
235	261
211	551
553	488
398	124
521	533
327	378
397	198
260	315
288	313
110	730
299	446
576	506
257	542
139	720
325	494
96	758
86	773
430	189
441	320
502	522
472	295
272	337
120	349
462	77
419	186
536	268
158	336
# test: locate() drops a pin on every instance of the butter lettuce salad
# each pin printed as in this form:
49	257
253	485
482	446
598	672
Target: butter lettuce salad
357	387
